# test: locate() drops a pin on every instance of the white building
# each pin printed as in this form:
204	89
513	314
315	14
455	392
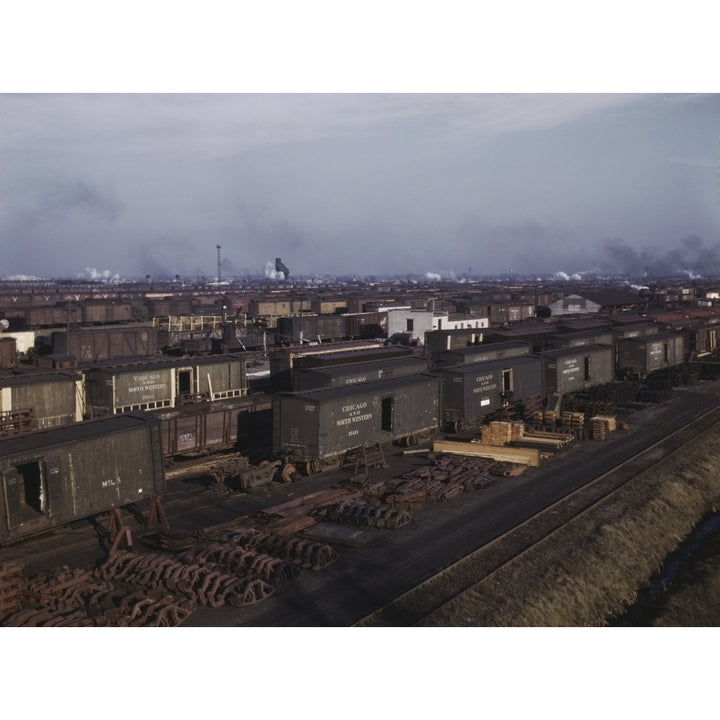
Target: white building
415	323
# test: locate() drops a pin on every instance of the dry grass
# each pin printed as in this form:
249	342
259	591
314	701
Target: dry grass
595	567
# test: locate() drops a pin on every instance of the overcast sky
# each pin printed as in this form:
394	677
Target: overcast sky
136	184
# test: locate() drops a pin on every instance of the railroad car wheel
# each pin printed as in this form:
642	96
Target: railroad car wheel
312	467
287	472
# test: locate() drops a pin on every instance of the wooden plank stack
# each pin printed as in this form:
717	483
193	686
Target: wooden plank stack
600	425
521	456
501	433
573	420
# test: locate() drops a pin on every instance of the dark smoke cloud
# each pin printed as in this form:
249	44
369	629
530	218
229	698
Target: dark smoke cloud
692	256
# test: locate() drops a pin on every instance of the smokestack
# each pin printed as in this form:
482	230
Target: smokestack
218	249
280	267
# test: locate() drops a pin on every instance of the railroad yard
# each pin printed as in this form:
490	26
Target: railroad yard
324	551
212	469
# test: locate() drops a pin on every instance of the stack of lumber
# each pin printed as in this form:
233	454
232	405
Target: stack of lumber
521	456
500	433
601	425
573	420
609	420
545	441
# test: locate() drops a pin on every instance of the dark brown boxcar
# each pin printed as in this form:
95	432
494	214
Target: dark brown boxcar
640	356
108	343
320	425
568	370
470	392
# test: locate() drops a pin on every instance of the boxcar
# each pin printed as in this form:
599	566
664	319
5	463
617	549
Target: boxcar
640	356
568	370
52	477
579	339
366	325
110	343
284	361
100	313
480	353
312	327
320	425
204	428
437	341
163	383
356	373
47	398
470	392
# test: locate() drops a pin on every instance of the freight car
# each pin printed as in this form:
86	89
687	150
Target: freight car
204	428
284	361
56	476
472	392
38	399
314	427
638	357
106	343
312	327
568	370
357	373
478	353
160	383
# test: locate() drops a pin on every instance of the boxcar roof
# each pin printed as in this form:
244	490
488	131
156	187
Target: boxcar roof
489	347
42	377
370	388
133	364
64	434
491	365
575	350
339	370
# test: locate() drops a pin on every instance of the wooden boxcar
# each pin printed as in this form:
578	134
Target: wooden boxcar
203	428
356	373
320	425
471	392
48	398
52	477
480	353
572	369
638	357
108	343
164	383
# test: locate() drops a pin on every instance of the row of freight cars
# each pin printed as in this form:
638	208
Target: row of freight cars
46	397
341	400
334	407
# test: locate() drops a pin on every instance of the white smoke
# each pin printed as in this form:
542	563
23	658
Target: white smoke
271	273
560	275
22	278
692	275
106	276
433	277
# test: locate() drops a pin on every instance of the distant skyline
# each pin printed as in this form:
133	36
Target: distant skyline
446	184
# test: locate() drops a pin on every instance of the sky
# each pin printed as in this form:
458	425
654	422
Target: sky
353	183
406	173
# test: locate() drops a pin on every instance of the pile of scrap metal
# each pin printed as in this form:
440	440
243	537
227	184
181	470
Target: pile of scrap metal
443	479
78	598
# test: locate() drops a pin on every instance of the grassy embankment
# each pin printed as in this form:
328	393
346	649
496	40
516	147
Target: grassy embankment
593	569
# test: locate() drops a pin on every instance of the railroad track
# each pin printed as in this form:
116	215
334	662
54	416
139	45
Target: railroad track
418	605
